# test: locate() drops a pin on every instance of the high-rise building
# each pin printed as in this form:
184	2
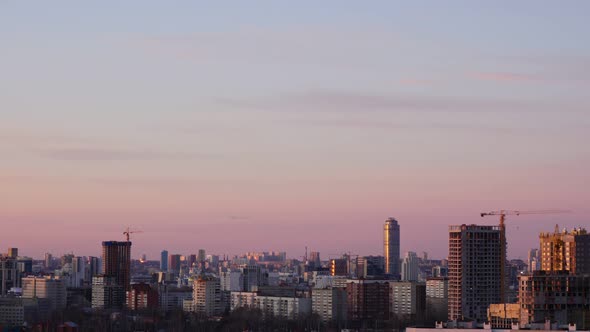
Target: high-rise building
48	262
314	259
407	299
207	296
391	244
78	271
13	252
367	300
94	268
253	277
9	274
174	263
565	251
202	255
164	261
410	267
46	288
475	270
329	303
116	258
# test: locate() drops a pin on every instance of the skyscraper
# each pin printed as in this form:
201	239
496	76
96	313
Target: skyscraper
475	270
164	261
391	247
116	258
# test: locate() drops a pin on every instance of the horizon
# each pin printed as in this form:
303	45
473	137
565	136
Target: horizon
276	126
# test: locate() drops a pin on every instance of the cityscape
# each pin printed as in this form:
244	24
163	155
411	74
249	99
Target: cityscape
476	286
294	166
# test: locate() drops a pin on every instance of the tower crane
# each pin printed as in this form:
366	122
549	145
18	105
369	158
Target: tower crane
128	233
503	214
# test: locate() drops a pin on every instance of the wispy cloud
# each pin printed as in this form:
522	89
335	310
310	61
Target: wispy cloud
506	77
112	154
329	101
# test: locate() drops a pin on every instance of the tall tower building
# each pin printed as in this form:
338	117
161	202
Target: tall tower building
565	251
391	247
116	258
164	261
533	260
475	270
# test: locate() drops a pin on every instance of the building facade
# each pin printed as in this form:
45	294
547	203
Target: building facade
107	293
410	267
46	288
476	259
116	259
391	244
407	299
207	296
330	304
367	300
565	251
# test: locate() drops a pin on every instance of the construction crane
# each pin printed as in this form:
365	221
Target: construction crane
128	233
503	214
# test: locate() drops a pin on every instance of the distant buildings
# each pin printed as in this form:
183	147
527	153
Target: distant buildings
277	306
391	247
339	267
410	267
475	270
164	261
9	274
45	288
533	261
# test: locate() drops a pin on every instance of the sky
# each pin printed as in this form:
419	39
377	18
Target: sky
241	126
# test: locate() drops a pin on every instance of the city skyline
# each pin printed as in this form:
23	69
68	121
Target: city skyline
280	126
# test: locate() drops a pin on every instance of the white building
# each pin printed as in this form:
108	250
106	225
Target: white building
287	307
46	288
231	281
407	298
410	267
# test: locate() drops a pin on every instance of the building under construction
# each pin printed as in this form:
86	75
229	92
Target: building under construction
565	251
476	254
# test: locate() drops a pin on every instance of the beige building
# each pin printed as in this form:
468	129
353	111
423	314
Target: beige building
565	251
46	288
207	296
329	303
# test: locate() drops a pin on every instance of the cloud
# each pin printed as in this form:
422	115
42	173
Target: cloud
111	154
506	77
329	101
